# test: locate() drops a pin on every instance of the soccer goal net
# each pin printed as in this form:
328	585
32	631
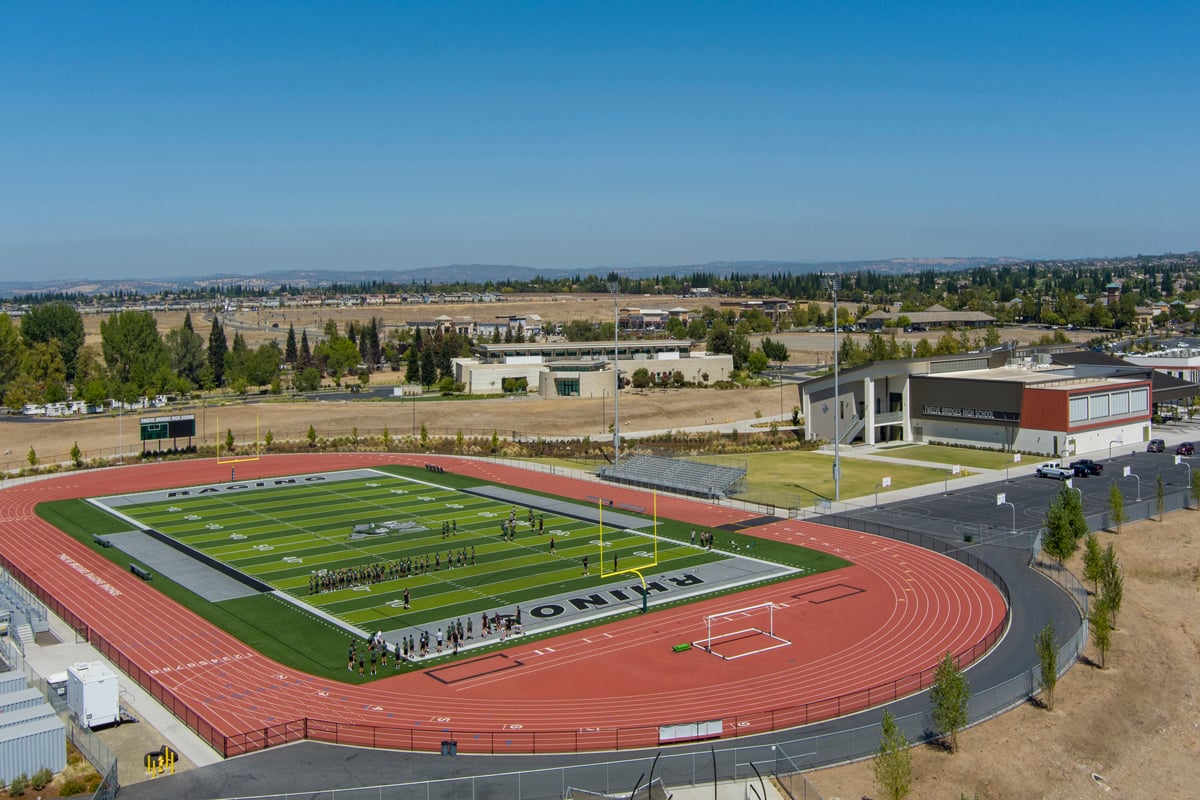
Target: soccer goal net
741	632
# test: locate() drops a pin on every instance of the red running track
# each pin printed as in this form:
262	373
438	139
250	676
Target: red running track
604	688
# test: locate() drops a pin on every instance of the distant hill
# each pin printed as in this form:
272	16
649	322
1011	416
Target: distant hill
474	273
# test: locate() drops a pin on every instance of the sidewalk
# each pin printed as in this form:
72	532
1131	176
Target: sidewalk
129	742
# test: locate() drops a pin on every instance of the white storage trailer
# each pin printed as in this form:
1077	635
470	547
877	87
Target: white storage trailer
93	695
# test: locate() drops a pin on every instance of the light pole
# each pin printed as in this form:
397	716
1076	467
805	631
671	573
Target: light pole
616	290
835	283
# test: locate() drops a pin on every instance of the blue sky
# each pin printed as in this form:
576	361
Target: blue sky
168	139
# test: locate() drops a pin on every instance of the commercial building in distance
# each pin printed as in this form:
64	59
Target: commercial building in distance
584	369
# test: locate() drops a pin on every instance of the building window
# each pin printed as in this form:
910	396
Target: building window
1139	400
1120	404
1079	409
1098	406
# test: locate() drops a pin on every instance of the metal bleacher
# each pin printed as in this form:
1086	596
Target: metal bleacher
675	474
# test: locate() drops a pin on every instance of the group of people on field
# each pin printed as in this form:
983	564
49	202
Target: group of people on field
330	580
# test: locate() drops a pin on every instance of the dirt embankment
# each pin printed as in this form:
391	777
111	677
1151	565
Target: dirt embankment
1135	724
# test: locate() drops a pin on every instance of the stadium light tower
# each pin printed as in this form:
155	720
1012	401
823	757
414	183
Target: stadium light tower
616	290
835	282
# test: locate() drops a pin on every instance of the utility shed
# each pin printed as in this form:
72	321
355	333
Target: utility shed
33	745
22	698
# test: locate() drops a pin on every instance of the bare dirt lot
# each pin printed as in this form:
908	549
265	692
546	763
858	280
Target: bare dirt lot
528	417
1135	724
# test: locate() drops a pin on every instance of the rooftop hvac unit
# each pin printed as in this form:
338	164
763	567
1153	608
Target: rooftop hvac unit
1042	359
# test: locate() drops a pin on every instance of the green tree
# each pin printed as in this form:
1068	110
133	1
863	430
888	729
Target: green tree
43	366
1065	524
134	352
1100	620
892	764
1093	561
304	358
758	363
458	441
1116	505
268	440
1047	655
1160	498
55	322
387	438
76	455
290	353
640	378
773	350
32	457
424	436
364	378
309	380
217	347
339	355
229	440
428	368
312	436
1195	478
949	695
412	369
185	349
11	346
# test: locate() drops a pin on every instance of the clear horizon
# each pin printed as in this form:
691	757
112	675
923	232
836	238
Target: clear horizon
144	140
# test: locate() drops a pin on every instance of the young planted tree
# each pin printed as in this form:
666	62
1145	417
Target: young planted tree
1047	655
312	436
76	455
1112	583
1100	620
949	695
268	439
893	761
1065	525
1160	497
229	440
32	457
1093	561
1116	505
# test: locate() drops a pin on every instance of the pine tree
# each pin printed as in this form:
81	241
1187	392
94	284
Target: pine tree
304	360
893	761
217	347
289	352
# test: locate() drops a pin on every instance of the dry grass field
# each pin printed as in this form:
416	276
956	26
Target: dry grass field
1134	724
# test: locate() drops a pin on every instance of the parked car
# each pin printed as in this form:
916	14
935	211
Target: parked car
1085	466
1054	469
1155	446
1185	449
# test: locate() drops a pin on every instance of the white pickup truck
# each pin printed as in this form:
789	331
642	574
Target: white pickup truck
1054	469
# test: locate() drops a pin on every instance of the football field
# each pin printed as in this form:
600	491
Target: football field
351	544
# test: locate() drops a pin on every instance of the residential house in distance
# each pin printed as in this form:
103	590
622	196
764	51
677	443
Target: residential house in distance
933	318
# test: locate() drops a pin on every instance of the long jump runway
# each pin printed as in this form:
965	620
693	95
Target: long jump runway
860	636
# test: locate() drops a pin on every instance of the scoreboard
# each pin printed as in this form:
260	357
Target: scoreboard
179	426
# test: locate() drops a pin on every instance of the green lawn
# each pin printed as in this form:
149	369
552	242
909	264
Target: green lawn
284	535
941	454
802	478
